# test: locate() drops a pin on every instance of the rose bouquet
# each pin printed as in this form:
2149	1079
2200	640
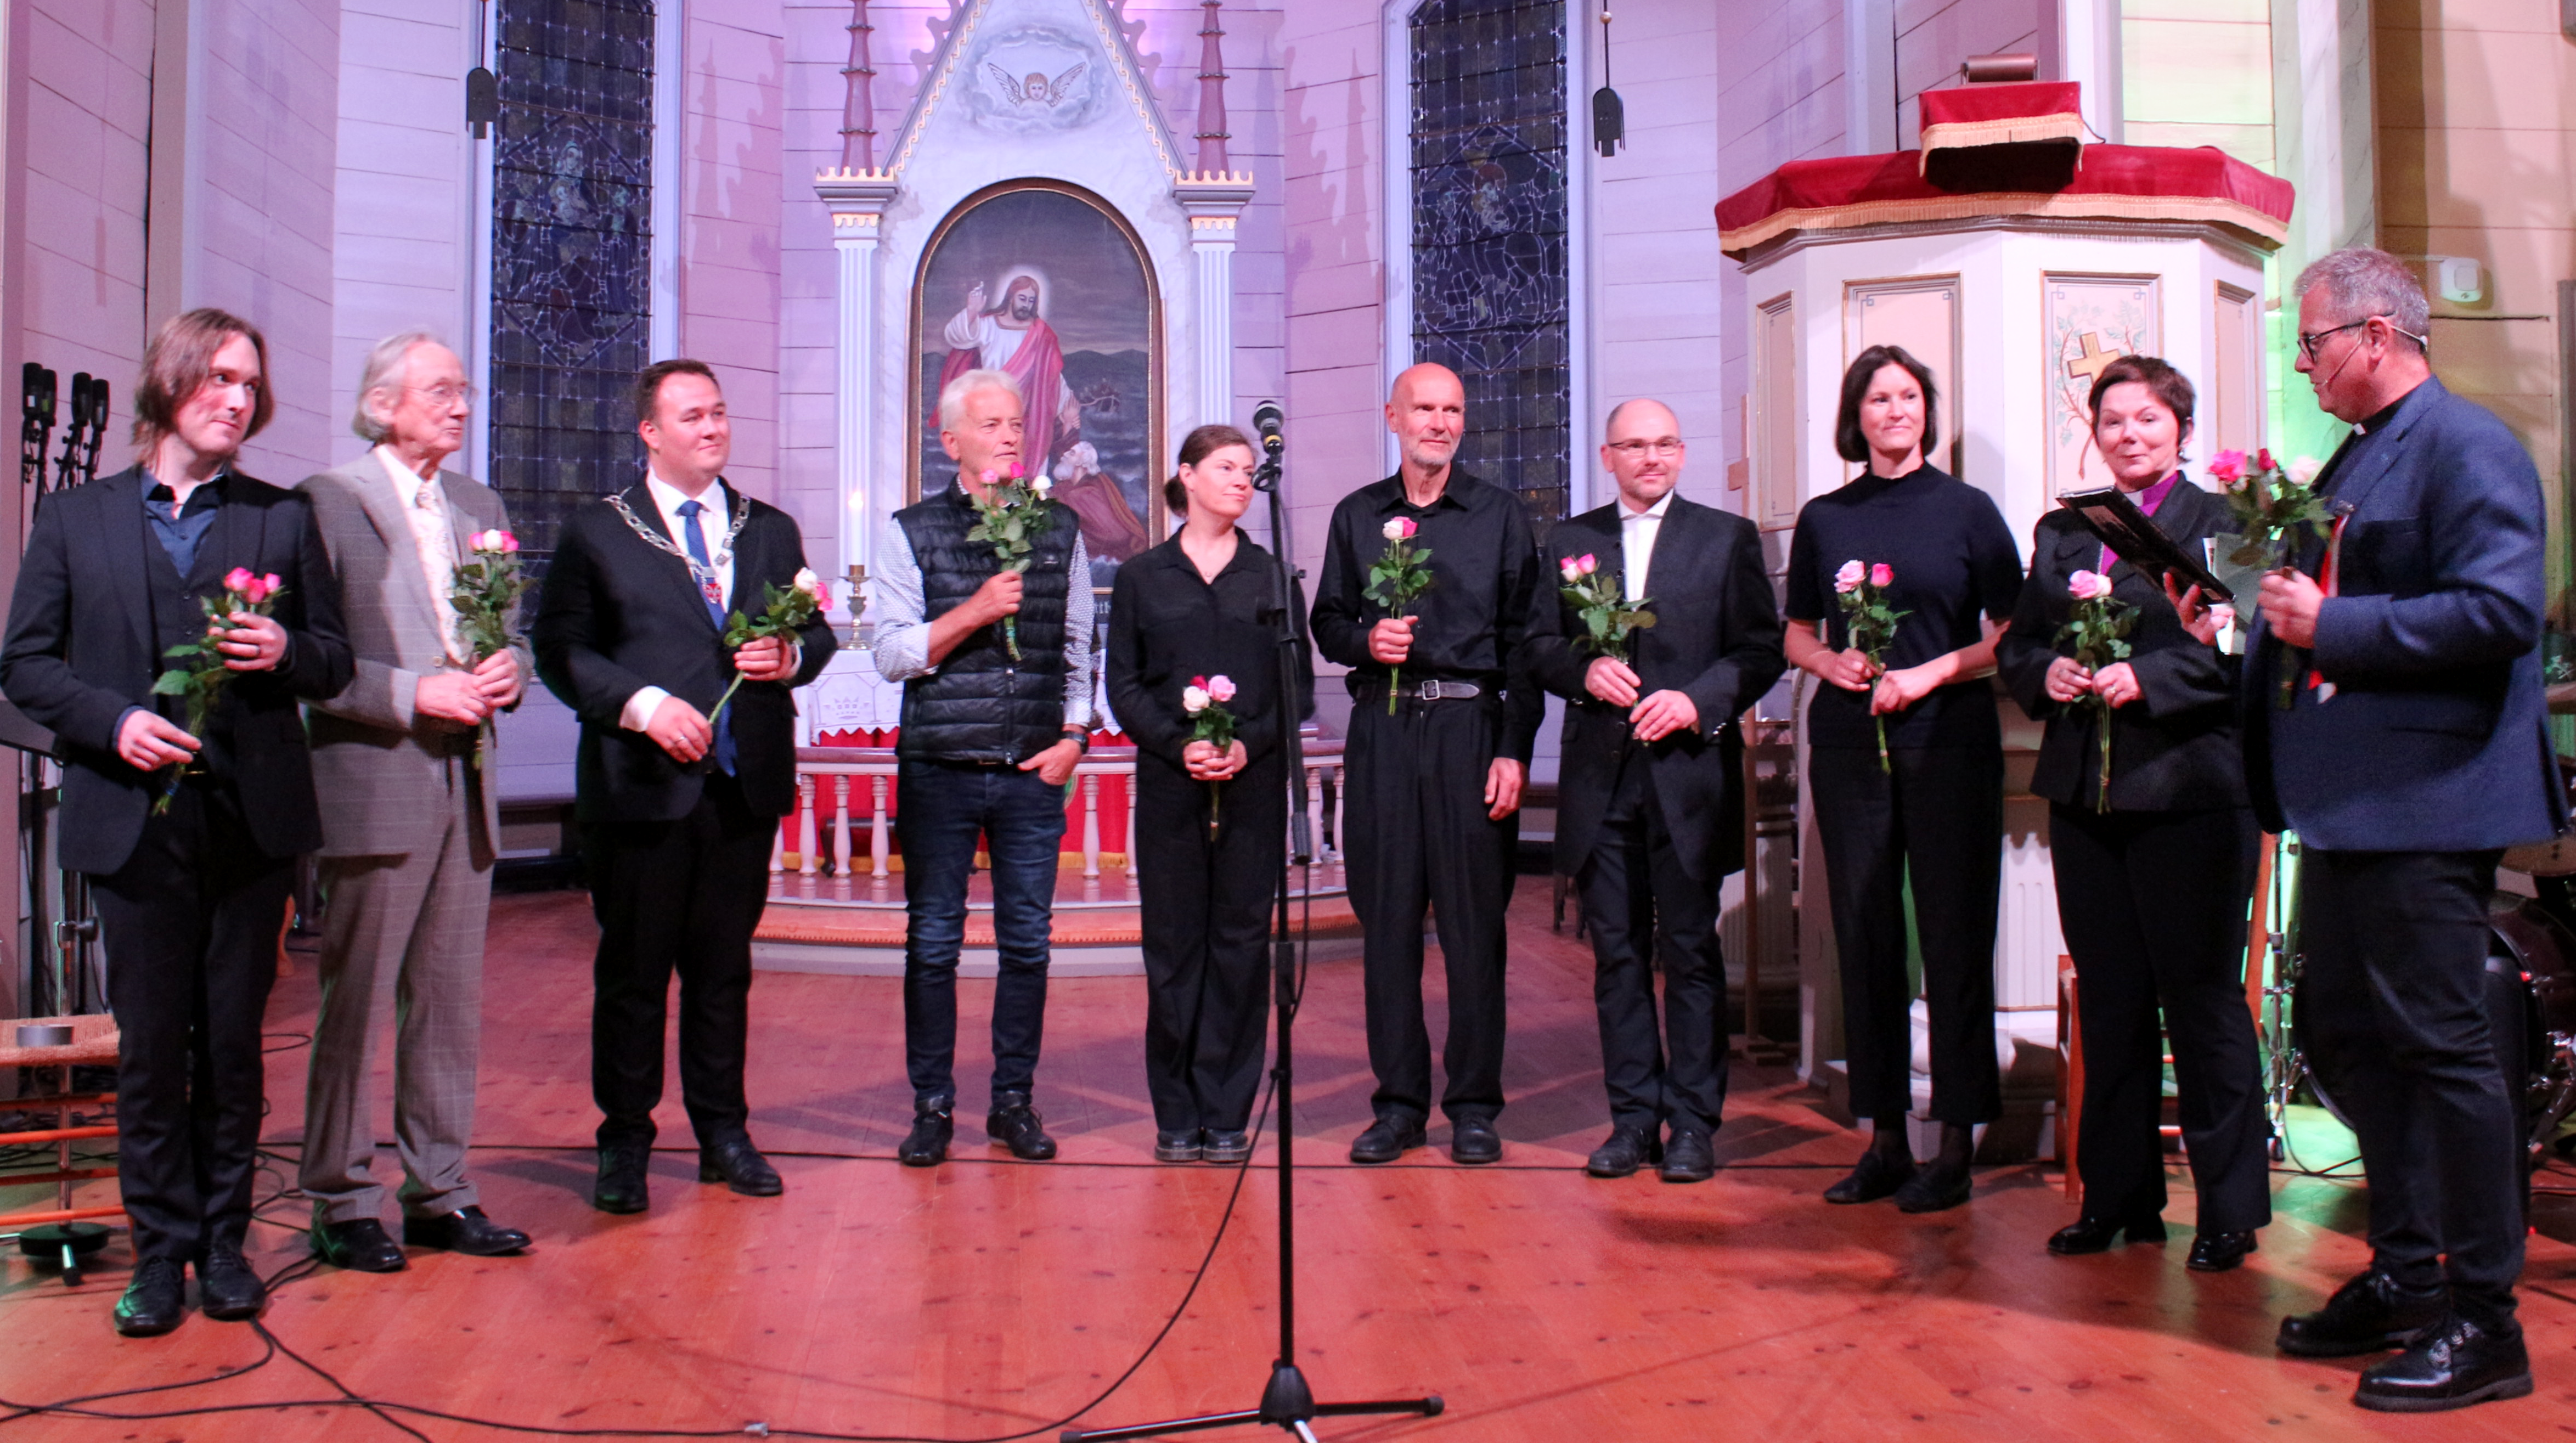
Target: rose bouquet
2099	628
1396	580
1011	515
2274	507
201	675
486	593
784	612
1204	700
1869	623
1601	599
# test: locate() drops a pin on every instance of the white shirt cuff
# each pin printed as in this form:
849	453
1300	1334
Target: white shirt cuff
640	708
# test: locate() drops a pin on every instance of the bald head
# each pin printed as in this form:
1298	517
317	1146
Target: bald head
1427	411
1641	447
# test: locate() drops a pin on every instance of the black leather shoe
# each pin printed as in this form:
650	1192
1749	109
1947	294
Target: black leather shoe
927	1144
1386	1139
2369	1314
466	1231
1016	1125
1623	1152
360	1244
1177	1146
621	1186
227	1289
2455	1363
1473	1141
738	1165
1226	1148
2217	1252
1933	1189
155	1301
1878	1175
2095	1235
1690	1157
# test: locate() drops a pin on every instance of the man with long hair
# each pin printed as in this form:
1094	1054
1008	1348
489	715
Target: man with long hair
188	835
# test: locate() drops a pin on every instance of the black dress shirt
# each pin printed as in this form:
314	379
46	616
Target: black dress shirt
1484	565
180	534
1168	626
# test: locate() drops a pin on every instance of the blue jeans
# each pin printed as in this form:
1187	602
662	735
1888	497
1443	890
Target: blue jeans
940	811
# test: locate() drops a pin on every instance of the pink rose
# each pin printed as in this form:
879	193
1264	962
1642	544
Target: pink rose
1221	688
2228	466
1881	574
1850	576
1571	568
1589	564
1405	527
239	579
1016	473
2263	459
990	476
2088	586
509	544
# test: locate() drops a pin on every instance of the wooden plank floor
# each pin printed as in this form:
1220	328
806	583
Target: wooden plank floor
988	1296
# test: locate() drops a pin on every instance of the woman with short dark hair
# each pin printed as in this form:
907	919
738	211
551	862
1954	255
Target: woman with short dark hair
1196	620
1927	819
2153	879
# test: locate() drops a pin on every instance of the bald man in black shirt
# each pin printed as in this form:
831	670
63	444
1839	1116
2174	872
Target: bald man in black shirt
1435	784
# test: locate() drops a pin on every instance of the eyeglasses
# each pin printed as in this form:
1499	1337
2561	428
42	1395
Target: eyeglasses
445	393
1639	450
2310	340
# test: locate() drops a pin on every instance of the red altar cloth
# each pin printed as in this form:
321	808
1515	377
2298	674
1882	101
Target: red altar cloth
2117	182
2002	137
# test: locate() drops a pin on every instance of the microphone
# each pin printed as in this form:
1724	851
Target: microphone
1267	418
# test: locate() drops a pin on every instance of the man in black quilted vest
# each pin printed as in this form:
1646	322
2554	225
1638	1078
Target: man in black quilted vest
988	742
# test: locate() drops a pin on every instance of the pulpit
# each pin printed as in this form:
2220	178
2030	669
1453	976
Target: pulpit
2016	262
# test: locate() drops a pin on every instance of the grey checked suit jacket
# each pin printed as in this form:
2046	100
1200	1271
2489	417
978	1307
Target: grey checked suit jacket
379	769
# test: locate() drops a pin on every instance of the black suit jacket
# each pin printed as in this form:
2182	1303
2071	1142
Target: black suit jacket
2173	749
618	615
1716	639
80	651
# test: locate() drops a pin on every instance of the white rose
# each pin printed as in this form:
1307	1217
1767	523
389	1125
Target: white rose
1194	700
1042	486
2303	471
1393	530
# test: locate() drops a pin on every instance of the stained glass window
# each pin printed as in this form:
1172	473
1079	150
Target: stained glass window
1489	233
572	247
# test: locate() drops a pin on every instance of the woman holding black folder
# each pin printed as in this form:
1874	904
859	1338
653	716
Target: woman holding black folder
2152	880
1196	619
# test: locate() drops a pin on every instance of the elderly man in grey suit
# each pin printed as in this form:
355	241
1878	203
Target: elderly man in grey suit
409	821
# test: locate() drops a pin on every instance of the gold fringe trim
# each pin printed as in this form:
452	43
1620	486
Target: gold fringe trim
2010	130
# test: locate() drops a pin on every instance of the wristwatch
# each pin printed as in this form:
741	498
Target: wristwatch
1081	739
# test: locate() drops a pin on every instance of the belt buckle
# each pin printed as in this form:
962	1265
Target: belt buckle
1431	689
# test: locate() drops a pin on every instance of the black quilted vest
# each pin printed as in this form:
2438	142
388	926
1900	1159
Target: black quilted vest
981	706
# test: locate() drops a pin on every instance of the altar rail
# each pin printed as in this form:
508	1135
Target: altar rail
845	790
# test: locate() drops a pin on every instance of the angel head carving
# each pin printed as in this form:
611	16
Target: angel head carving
1037	89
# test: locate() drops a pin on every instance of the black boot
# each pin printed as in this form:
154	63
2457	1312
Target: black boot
1016	1125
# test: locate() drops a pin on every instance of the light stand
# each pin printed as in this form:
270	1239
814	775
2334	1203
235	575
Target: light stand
1287	1403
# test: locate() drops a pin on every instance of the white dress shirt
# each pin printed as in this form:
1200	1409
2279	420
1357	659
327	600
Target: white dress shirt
1637	532
434	540
903	634
713	523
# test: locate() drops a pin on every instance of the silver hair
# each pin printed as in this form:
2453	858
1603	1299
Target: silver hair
2361	282
385	371
952	397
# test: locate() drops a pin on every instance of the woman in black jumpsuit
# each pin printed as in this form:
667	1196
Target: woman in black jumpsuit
1204	604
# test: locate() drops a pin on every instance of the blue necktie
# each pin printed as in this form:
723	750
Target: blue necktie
697	537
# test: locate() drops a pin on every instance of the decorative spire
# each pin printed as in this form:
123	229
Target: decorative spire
1212	132
859	110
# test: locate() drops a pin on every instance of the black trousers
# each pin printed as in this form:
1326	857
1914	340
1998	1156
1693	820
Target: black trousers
1206	912
191	923
1638	901
2153	907
684	897
1936	818
2393	1003
1419	839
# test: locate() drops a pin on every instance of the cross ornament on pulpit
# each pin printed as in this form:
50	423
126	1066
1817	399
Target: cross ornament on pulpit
2090	366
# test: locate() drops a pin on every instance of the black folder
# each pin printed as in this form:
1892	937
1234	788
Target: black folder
2112	516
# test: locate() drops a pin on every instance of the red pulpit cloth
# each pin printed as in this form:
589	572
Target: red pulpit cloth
2118	182
1963	116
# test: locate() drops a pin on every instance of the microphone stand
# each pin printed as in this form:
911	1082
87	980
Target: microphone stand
1287	1403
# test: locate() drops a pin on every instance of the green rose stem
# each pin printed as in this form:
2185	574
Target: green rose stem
785	611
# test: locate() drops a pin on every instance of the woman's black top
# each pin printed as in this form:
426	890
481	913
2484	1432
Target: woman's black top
1954	560
2173	749
1167	627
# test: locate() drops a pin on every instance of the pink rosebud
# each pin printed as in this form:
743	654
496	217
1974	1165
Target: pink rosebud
1589	564
238	579
989	476
1850	576
1881	574
2080	585
1200	682
1221	688
1016	473
2263	459
1406	527
2227	466
272	583
509	544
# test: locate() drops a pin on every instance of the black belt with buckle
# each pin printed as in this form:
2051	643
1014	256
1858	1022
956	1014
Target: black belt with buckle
1432	688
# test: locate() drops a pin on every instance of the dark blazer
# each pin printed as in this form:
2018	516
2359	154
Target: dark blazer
618	615
2173	749
1716	639
2437	737
80	652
